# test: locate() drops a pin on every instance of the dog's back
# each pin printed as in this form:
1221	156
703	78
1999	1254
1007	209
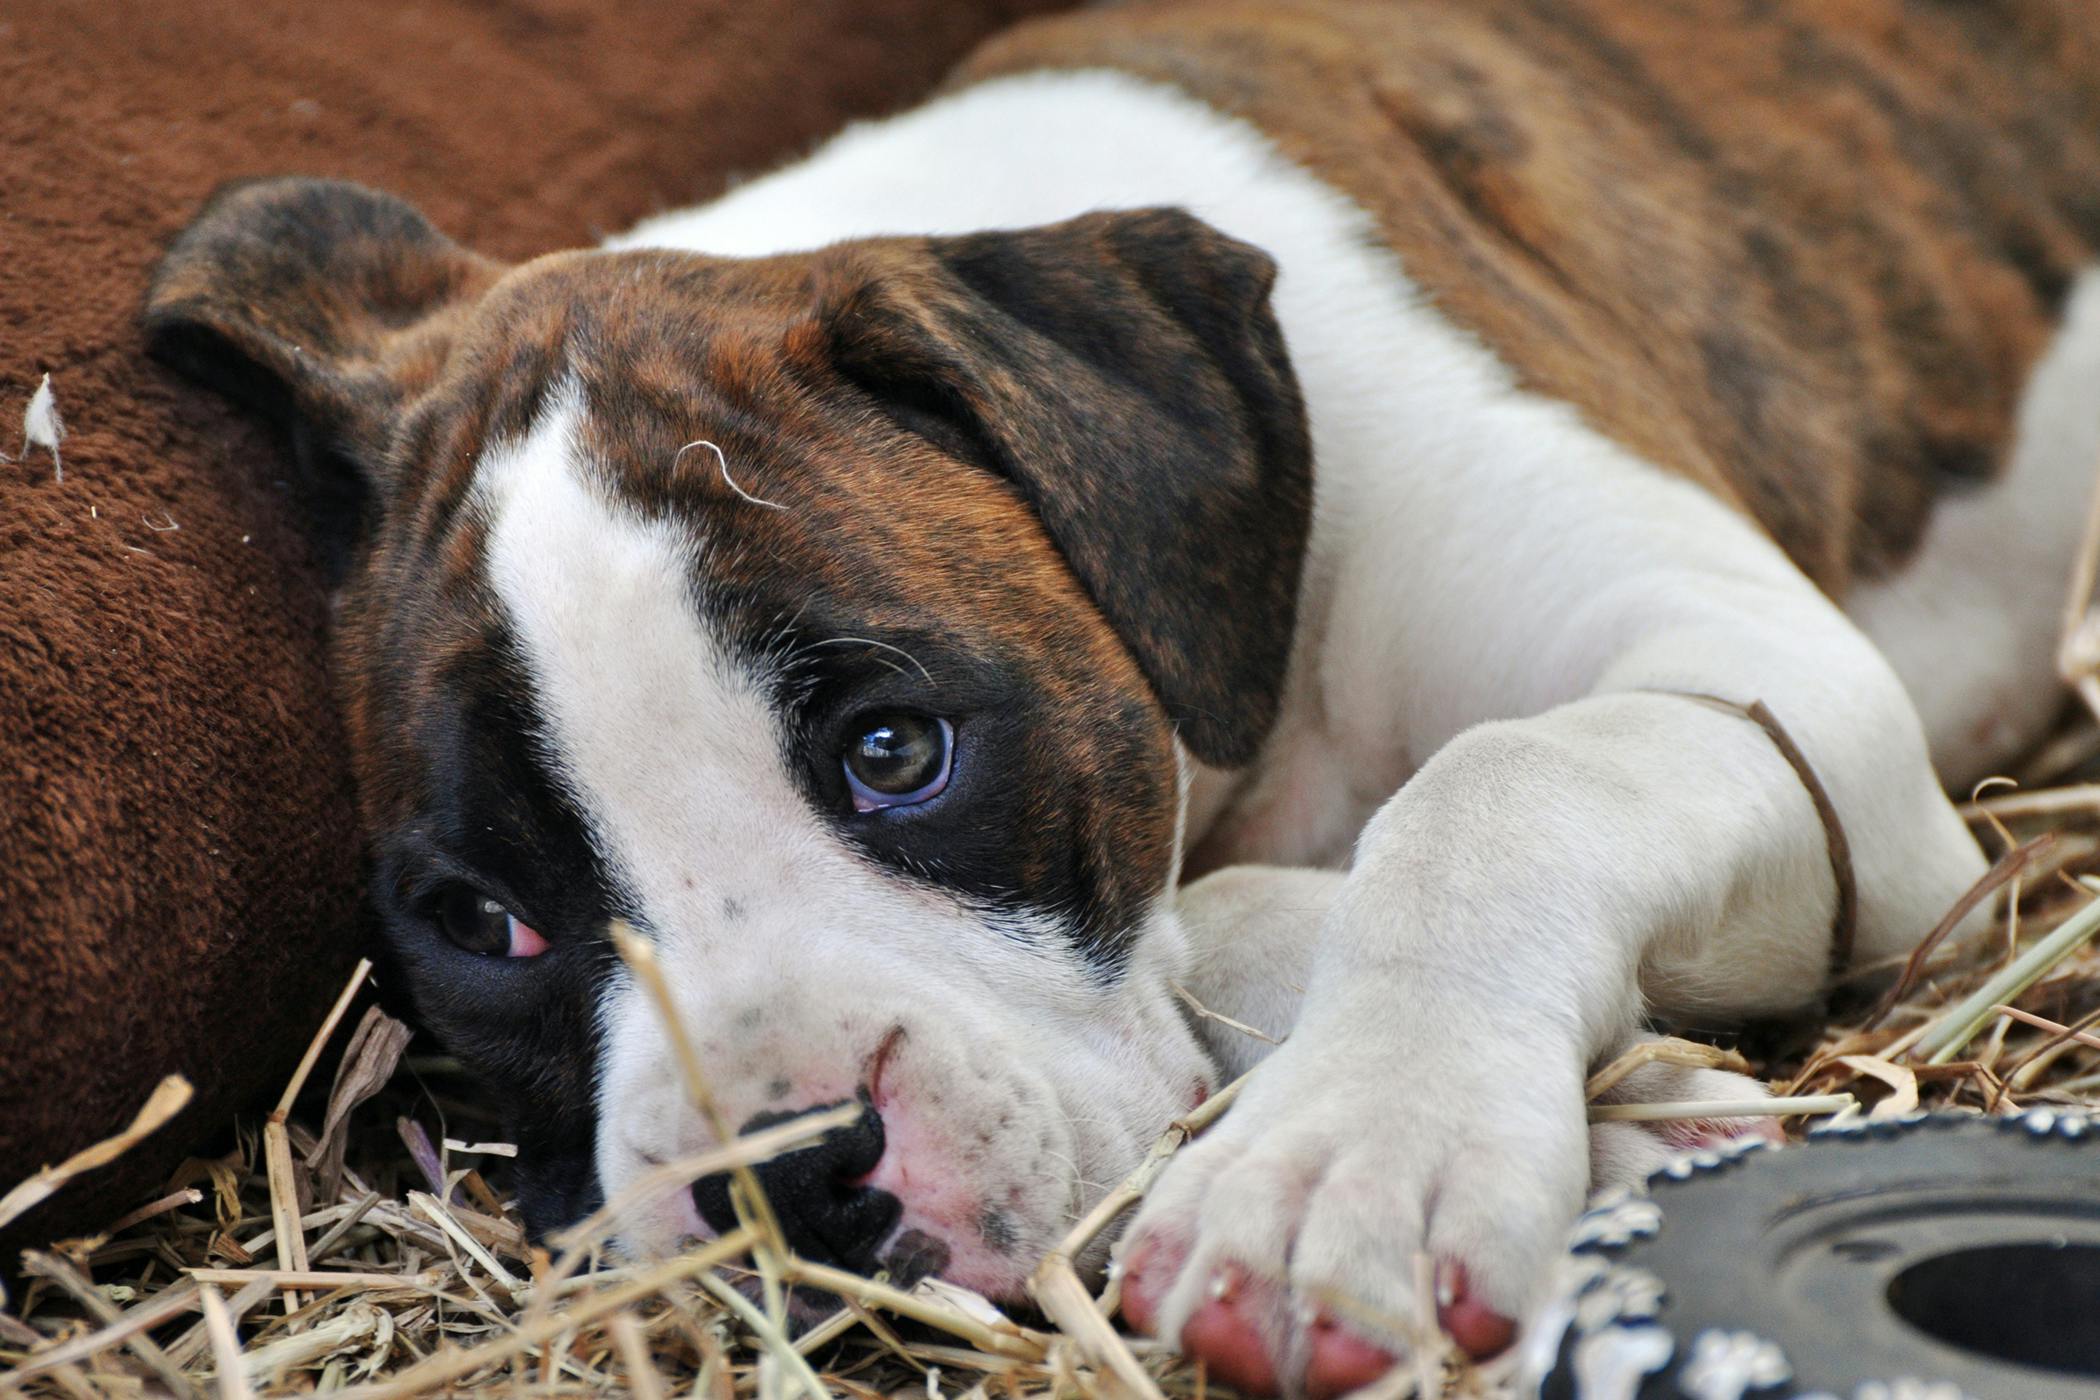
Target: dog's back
1804	252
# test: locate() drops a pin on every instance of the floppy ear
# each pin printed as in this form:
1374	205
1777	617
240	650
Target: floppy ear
319	302
1125	373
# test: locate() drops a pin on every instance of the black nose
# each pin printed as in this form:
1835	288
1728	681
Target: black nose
825	1216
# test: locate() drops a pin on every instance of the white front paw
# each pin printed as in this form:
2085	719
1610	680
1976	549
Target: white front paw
1284	1248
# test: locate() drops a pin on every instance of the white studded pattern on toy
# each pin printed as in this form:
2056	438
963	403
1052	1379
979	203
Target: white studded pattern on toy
1619	1224
1724	1365
1622	1293
1611	1364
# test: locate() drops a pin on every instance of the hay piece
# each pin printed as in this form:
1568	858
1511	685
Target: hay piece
1055	1285
770	1334
167	1099
284	1205
51	1266
368	1062
442	1218
445	1367
1667	1050
1954	1029
930	1307
225	1349
2004	872
1901	1079
285	1208
2061	1032
746	1195
1204	1013
2070	800
644	1381
188	1196
1798	1106
315	1278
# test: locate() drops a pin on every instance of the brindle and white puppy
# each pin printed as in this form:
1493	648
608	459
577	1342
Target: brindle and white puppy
1331	436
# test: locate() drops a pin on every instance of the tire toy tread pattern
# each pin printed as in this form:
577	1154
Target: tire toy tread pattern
1754	1273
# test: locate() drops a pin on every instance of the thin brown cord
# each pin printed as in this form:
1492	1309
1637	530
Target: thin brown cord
1844	922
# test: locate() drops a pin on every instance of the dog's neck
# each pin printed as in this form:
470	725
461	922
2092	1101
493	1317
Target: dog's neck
1010	153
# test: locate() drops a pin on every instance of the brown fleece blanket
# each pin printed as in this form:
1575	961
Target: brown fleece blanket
178	855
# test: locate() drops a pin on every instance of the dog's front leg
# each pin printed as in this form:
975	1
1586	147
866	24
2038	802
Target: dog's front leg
1509	913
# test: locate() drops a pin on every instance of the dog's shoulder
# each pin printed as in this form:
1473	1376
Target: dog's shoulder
1805	254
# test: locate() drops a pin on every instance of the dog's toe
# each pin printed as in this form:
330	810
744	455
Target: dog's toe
1338	1361
1225	1332
1283	1250
1478	1329
1149	1268
1229	1334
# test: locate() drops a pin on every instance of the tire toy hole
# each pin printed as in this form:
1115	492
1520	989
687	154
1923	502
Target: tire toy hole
2031	1304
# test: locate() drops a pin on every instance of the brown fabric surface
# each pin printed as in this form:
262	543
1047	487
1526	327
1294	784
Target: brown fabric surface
178	852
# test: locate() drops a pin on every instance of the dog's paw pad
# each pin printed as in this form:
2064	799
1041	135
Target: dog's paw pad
1149	1269
1478	1329
1225	1332
1338	1361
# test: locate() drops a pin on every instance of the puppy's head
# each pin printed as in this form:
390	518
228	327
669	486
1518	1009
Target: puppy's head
832	619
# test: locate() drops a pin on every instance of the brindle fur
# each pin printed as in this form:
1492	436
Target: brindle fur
1802	251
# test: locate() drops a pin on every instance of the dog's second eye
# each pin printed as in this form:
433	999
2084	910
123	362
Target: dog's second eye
479	924
895	759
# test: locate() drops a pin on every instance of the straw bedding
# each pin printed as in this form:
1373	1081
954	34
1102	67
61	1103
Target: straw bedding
382	1256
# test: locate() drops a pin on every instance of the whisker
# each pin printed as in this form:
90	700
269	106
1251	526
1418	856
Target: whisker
884	646
727	479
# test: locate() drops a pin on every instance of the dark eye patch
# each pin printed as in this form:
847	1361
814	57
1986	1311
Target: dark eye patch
495	805
1021	828
494	818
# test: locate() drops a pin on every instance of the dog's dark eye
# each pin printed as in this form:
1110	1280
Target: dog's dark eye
895	759
479	924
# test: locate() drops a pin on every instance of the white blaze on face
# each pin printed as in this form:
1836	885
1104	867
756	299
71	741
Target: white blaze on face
1020	1086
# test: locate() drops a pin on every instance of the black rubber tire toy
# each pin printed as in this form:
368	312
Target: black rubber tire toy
1937	1257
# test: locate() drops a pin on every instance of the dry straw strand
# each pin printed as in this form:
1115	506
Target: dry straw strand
167	1099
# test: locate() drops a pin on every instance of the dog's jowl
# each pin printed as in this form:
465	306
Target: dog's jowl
1529	501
